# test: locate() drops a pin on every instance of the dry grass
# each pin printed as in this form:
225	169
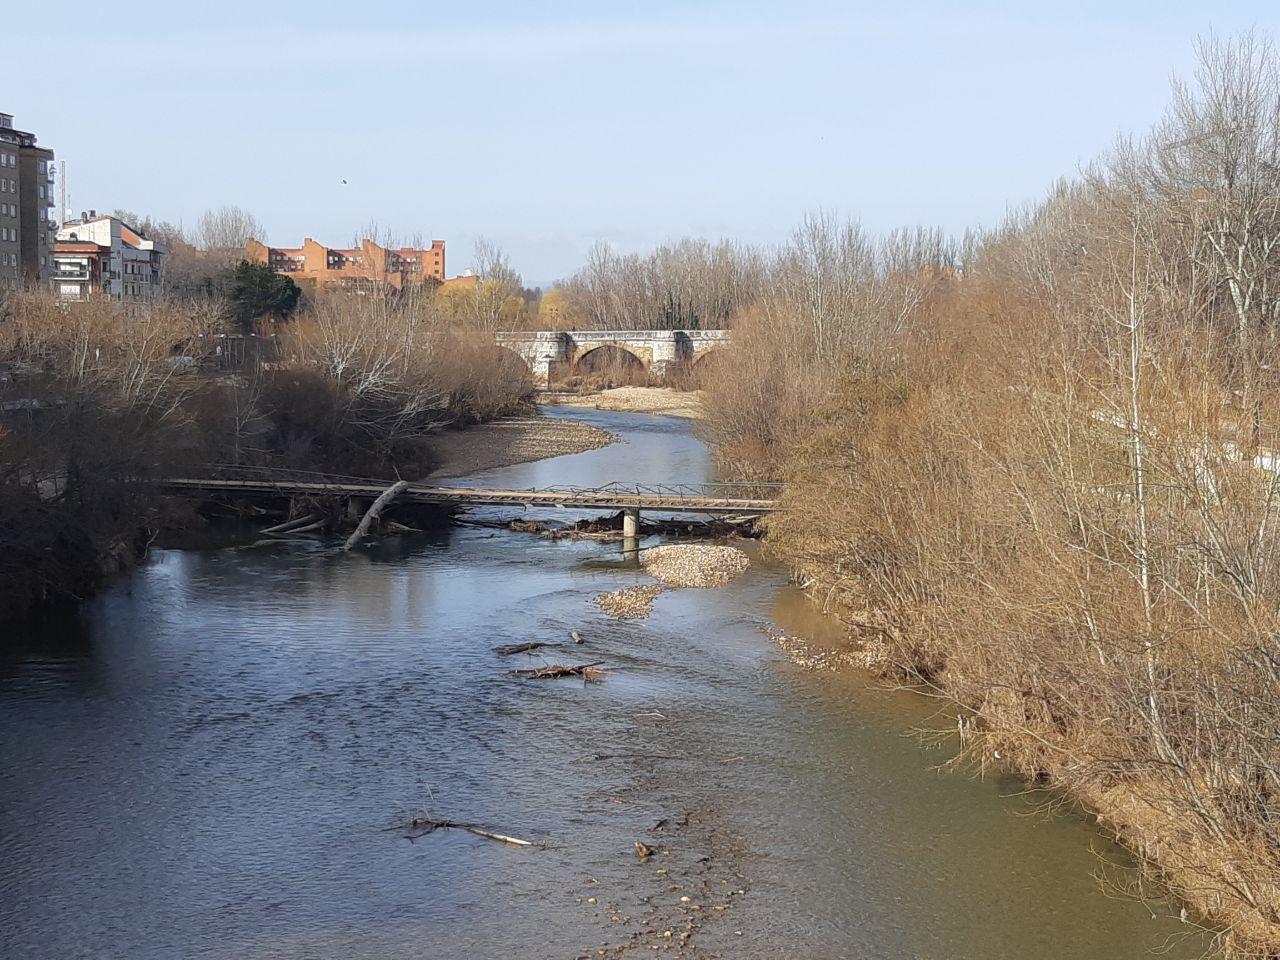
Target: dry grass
1038	496
101	397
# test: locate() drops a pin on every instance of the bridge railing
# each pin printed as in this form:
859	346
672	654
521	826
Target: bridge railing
670	492
241	471
675	491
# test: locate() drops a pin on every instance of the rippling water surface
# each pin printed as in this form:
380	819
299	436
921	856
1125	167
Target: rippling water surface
211	760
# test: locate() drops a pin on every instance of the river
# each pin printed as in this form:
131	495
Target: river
211	758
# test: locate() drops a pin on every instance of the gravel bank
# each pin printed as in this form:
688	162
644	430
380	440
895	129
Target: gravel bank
691	565
675	403
514	440
630	603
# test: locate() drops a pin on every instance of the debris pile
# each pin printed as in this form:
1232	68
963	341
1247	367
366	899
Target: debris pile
630	603
420	826
689	565
592	672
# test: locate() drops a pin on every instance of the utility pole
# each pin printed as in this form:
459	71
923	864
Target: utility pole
62	194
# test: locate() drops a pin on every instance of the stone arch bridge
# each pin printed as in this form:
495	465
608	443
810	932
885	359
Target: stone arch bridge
551	353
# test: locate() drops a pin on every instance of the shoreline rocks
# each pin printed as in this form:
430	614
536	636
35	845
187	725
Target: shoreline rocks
694	565
629	603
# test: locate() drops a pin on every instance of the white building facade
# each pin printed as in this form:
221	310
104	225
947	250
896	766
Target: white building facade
104	256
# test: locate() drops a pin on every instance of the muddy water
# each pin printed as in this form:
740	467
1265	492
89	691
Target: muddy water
212	759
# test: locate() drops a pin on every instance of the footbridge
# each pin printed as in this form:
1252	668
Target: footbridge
554	353
712	499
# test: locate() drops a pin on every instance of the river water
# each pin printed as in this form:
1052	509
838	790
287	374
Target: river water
210	760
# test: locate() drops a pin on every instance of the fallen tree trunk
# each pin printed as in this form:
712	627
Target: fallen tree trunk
308	528
372	513
508	649
293	524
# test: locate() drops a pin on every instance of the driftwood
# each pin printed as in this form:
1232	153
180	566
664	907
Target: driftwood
372	513
309	528
271	542
587	671
421	826
290	525
508	649
401	528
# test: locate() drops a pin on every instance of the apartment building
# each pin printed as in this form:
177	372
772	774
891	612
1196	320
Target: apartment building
352	267
104	256
27	220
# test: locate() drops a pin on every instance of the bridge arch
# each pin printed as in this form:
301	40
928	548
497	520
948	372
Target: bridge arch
508	357
614	364
690	372
707	359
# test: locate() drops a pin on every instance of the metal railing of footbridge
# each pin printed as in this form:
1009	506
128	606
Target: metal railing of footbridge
745	498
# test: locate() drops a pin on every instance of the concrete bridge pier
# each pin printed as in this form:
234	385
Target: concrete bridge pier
631	533
630	524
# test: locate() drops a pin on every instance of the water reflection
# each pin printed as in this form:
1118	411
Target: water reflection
208	764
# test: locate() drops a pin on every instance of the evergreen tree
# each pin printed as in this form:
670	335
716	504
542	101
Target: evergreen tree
254	291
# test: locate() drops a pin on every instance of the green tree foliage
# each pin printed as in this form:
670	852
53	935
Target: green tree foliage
254	291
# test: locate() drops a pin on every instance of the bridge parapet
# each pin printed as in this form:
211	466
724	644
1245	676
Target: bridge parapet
547	351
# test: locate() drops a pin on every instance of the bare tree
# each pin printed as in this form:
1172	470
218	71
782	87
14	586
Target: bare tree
1215	162
227	228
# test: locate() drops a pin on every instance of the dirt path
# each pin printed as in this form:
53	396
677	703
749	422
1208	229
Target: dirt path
514	440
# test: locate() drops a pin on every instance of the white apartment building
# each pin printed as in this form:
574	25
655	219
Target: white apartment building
104	256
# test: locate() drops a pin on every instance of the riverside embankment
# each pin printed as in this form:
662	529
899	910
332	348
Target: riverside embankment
216	753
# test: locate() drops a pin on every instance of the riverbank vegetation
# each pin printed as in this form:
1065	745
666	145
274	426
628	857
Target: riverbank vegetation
97	400
1037	475
1036	470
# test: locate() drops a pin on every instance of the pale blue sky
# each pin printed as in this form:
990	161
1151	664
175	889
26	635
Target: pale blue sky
548	126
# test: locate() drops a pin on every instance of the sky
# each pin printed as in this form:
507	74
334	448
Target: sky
548	127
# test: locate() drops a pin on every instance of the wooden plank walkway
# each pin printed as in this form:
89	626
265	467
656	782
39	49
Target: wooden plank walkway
714	499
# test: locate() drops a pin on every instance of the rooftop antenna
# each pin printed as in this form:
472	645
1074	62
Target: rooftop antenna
62	192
